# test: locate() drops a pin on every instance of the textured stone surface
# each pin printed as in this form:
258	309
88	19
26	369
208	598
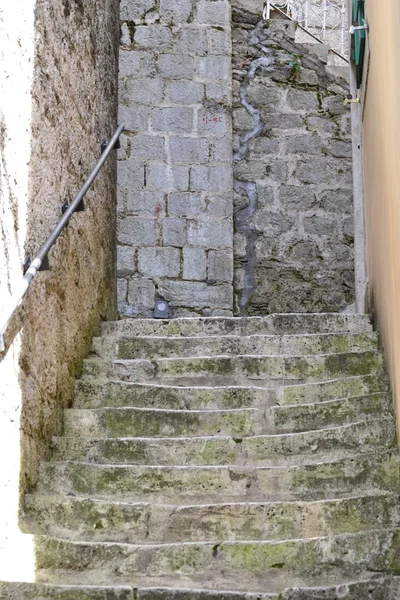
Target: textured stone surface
175	98
57	103
293	181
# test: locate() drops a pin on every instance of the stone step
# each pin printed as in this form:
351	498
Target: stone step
169	347
305	417
86	519
382	588
362	437
149	451
326	478
278	324
265	561
142	422
106	393
239	370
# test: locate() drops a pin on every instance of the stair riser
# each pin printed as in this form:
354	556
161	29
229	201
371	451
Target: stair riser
141	423
135	524
285	324
249	370
307	417
121	562
149	348
311	482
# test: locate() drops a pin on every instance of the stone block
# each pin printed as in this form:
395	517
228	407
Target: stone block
296	198
148	147
186	92
125	261
334	105
210	233
122	290
242	120
135	10
153	37
136	63
191	40
137	231
189	150
220	266
259	147
339	149
258	94
175	12
130	175
213	12
252	170
307	77
185	204
321	225
219	206
149	92
159	262
214	122
141	294
219	42
282	122
215	67
338	201
196	295
239	245
221	150
327	171
303	144
172	120
161	176
300	100
176	66
216	179
321	125
218	92
125	35
135	118
150	204
174	232
194	264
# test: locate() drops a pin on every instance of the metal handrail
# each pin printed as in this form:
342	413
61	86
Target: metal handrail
36	264
266	16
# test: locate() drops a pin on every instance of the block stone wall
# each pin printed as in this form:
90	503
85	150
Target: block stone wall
175	230
293	205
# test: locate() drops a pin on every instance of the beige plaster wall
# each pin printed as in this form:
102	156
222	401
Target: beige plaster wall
381	156
58	101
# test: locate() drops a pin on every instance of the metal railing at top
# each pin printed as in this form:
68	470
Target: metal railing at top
37	264
325	20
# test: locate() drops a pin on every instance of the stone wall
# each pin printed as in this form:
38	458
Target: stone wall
293	180
58	101
175	167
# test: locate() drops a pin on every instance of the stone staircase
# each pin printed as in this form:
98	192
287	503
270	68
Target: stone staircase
222	459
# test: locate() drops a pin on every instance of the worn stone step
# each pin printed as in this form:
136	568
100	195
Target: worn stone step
335	389
141	422
216	450
365	473
278	324
96	520
95	394
382	588
102	392
304	417
249	369
364	436
169	347
118	563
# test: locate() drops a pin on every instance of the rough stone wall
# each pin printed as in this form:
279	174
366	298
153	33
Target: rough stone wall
58	101
293	180
175	167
